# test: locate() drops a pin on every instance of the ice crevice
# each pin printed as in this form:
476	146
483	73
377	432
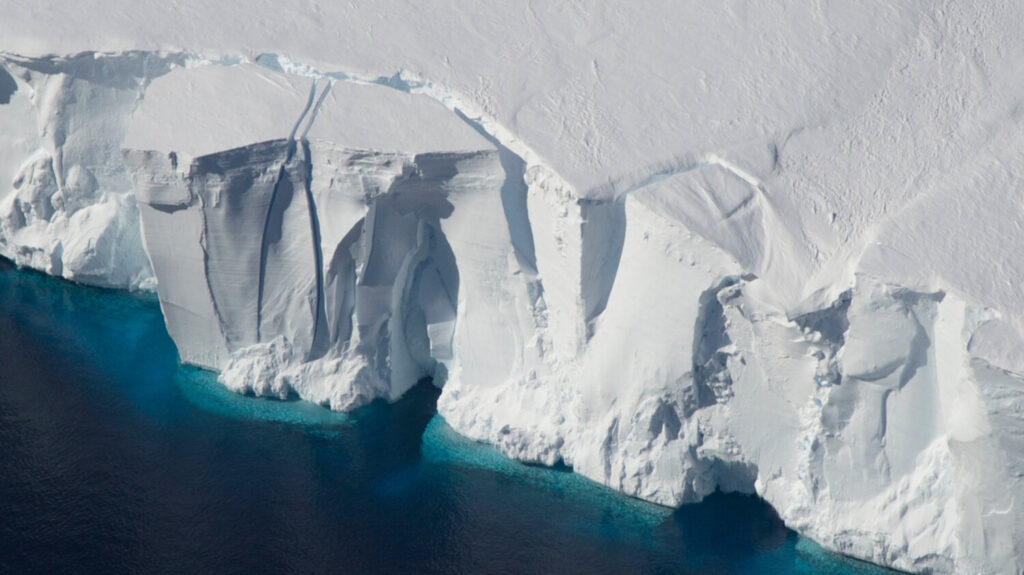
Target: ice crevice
339	236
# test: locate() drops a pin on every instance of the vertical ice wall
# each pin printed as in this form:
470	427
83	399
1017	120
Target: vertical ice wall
644	339
68	209
319	269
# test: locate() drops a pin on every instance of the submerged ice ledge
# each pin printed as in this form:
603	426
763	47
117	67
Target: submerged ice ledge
644	334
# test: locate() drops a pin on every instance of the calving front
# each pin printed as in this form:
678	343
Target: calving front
339	240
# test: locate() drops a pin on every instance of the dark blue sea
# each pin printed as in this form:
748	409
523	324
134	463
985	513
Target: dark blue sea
116	459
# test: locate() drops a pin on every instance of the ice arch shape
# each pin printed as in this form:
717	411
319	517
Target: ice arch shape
344	268
299	265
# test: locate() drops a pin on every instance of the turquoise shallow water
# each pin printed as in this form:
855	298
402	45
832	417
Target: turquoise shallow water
116	459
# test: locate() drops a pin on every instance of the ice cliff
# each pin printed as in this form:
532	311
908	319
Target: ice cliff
782	259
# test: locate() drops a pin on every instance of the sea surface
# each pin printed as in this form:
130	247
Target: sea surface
116	459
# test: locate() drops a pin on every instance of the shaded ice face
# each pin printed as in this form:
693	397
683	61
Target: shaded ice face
7	86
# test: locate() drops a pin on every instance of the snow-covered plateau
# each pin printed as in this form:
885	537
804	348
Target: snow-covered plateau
744	245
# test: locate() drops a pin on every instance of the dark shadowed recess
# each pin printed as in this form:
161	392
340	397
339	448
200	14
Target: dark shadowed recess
111	462
7	86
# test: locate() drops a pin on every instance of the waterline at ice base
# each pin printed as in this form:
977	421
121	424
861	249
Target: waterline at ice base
678	249
117	458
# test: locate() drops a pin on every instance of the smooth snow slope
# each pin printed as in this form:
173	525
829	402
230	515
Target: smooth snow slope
748	245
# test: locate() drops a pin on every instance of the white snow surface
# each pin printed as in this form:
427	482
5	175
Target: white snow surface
744	245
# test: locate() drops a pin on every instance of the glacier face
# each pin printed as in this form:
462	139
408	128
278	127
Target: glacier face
69	210
318	269
812	294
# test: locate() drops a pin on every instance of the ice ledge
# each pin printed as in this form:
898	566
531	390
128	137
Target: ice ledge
645	338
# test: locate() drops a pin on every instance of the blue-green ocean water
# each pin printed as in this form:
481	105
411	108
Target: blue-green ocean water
116	459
